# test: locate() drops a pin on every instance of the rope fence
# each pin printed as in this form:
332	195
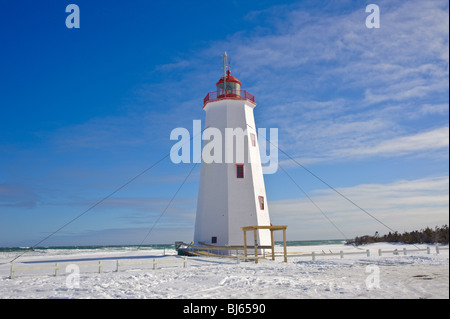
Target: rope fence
20	269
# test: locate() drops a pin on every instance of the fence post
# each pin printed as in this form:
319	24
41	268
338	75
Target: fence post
12	274
437	250
368	253
100	267
428	250
379	252
56	270
313	256
404	251
185	262
118	265
155	266
342	254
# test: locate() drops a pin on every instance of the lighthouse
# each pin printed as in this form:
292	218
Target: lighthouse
231	193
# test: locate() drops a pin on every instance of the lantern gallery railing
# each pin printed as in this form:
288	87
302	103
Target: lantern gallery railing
228	94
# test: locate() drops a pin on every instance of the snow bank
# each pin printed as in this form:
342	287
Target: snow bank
416	275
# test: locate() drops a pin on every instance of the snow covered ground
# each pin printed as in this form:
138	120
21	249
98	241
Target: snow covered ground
416	275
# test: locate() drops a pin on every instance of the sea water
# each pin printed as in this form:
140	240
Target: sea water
158	246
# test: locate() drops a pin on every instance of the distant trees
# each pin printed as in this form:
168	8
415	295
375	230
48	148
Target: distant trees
424	236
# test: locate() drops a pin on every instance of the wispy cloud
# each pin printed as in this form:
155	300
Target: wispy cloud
331	85
402	205
124	236
421	142
125	130
335	89
12	195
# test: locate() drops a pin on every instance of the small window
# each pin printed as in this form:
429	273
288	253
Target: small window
261	202
214	240
253	139
239	171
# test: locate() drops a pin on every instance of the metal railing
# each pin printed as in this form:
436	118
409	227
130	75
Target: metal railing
228	94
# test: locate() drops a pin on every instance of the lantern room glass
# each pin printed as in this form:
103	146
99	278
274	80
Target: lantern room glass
233	88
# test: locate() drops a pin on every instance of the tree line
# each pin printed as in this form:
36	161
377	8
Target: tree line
438	235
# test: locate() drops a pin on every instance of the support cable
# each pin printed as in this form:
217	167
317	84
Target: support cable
328	185
167	206
301	189
93	206
104	198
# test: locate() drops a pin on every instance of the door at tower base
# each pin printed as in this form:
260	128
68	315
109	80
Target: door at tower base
232	194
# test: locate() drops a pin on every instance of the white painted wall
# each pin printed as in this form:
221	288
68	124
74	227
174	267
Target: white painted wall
226	203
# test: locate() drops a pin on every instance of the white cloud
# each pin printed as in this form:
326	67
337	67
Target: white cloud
421	142
329	83
336	88
402	205
433	143
440	109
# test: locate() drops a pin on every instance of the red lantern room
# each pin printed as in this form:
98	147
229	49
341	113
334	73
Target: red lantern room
228	87
233	86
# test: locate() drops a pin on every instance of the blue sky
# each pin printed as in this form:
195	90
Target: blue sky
85	110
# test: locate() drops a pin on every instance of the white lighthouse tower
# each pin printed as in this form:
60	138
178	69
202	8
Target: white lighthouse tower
231	191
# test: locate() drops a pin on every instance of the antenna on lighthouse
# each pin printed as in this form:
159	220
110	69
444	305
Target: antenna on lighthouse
225	58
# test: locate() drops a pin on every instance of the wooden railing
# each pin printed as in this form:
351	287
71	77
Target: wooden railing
233	252
341	253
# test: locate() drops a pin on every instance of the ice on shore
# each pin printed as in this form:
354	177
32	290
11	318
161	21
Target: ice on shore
416	275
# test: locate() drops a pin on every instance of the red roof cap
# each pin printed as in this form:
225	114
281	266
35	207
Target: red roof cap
230	78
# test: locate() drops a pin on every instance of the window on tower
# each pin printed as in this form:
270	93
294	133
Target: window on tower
239	171
261	202
253	139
